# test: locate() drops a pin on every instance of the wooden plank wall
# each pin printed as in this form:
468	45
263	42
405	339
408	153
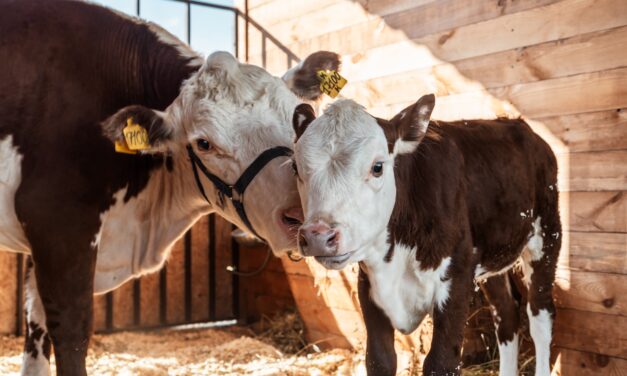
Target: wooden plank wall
560	64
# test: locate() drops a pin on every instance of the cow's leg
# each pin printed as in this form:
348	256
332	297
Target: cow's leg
498	292
380	354
36	359
539	265
449	317
65	275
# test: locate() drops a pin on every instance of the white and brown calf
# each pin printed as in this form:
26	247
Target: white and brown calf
427	208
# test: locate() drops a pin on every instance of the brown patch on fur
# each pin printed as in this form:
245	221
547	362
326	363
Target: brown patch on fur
304	114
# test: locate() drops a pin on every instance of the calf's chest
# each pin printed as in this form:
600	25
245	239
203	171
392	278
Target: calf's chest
404	290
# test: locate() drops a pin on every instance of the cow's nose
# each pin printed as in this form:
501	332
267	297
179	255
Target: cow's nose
318	239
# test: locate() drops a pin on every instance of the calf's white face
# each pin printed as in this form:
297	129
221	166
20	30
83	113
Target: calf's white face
345	165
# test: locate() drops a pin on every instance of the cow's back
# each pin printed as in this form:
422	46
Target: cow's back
507	167
65	66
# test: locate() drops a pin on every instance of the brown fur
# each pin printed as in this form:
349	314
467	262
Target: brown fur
65	66
465	186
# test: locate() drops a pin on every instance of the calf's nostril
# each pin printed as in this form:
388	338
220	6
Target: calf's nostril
302	241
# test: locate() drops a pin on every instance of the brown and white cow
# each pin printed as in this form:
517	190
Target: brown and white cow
426	208
71	74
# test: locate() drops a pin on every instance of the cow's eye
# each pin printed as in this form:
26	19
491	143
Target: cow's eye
203	144
377	169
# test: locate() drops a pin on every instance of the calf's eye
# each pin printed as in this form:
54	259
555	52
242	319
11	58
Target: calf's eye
203	144
377	169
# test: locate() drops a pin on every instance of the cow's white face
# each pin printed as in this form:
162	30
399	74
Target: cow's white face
230	113
345	165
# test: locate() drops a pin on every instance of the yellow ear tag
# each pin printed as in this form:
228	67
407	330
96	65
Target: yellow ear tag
331	83
120	147
135	135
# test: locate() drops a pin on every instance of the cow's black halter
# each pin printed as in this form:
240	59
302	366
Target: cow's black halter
235	192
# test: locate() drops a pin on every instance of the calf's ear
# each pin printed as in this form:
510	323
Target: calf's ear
303	115
303	79
157	130
410	125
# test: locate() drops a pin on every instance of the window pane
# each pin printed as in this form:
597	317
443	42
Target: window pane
170	15
213	29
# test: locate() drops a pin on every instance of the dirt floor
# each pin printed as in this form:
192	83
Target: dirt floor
230	351
272	347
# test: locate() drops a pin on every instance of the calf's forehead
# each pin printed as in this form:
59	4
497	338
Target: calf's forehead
344	136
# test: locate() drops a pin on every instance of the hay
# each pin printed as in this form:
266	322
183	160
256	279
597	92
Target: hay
274	346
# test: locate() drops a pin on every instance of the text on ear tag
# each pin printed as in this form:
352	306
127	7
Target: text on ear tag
331	83
135	135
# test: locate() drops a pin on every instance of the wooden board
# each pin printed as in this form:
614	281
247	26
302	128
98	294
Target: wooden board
123	306
572	362
149	300
175	284
524	28
224	279
100	312
591	332
596	252
597	171
200	270
592	131
591	291
594	211
8	289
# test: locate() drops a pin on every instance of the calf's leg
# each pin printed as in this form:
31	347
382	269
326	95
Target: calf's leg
36	358
539	265
498	292
380	353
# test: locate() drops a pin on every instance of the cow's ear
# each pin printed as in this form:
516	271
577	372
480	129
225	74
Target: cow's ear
303	78
303	115
158	131
410	125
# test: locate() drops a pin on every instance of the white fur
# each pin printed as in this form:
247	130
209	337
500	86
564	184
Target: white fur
541	327
403	290
533	251
12	237
34	313
508	357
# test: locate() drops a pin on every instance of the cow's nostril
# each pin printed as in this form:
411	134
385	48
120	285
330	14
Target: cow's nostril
333	239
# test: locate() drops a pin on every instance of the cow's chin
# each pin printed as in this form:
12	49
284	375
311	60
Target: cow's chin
337	262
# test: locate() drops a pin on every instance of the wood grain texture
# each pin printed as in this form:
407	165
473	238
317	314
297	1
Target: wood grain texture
175	288
592	291
200	270
594	211
592	131
591	332
596	252
100	313
573	362
224	279
8	290
123	306
149	300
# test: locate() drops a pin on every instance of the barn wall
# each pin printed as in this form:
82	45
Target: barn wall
560	64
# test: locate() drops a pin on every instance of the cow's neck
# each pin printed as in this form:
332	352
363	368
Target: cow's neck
136	235
149	68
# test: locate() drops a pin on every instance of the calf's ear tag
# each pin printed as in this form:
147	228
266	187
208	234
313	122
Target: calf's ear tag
135	135
331	82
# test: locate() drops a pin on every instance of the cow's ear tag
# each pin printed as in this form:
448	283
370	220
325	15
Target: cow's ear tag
120	147
331	83
135	135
